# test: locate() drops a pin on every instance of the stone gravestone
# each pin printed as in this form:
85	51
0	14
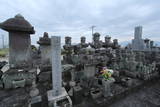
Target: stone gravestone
19	39
58	94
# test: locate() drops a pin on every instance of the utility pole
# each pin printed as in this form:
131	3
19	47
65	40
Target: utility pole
2	41
92	27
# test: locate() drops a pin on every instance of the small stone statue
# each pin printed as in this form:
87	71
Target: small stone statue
115	44
107	42
96	41
68	50
68	47
83	43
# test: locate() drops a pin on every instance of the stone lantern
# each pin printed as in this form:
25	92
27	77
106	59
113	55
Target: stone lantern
19	39
45	48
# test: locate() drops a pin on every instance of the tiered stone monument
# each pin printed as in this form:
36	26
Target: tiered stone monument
45	48
58	94
19	39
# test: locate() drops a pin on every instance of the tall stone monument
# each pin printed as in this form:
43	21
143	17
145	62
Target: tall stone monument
138	42
58	94
19	39
56	66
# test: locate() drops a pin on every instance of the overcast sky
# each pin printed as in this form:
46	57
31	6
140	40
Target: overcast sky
116	18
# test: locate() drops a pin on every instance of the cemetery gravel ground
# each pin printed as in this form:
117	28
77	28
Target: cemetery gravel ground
146	97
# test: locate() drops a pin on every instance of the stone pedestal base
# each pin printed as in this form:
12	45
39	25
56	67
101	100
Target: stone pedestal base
36	102
62	100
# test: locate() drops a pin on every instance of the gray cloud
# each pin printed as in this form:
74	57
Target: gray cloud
116	18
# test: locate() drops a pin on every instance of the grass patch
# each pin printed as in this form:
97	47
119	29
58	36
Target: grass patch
4	52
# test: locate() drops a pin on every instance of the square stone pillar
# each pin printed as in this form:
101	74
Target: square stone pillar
56	65
58	94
